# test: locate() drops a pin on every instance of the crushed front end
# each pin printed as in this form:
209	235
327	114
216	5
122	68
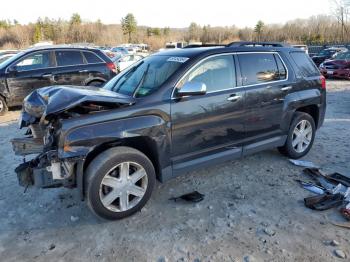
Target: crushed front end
44	113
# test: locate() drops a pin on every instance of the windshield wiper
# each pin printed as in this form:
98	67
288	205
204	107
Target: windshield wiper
143	77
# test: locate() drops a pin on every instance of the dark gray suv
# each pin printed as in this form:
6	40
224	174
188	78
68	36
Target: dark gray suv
170	113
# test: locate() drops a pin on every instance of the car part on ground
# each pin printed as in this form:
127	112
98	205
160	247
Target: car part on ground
194	197
160	117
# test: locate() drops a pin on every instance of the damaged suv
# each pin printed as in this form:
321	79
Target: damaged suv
170	113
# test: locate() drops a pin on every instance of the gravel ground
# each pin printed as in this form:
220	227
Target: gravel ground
253	210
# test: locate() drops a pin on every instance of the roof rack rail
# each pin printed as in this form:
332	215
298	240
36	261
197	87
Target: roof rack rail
202	45
265	44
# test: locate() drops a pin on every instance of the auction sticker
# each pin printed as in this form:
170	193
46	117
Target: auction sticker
178	59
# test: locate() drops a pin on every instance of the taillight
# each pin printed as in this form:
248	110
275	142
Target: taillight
323	82
111	66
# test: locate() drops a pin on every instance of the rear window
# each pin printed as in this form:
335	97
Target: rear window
91	58
257	68
305	66
67	58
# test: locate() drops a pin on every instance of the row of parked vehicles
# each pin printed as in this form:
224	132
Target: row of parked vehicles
169	113
333	62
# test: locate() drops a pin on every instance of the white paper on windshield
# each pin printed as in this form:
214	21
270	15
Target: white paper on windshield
178	59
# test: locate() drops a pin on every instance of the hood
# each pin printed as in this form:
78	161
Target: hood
56	99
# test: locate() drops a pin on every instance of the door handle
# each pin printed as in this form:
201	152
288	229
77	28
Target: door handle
286	88
46	75
83	71
233	98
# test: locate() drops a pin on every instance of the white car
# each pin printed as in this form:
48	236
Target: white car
127	61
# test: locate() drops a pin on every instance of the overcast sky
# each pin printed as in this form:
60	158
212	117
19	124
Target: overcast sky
161	13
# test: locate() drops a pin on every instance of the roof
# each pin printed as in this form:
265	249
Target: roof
49	47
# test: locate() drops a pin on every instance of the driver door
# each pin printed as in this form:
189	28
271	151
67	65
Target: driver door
29	73
208	127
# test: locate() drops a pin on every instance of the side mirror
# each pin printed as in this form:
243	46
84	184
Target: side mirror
12	69
192	89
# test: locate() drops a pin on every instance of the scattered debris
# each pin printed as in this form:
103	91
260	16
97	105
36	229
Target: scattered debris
303	163
74	218
339	253
52	247
343	225
334	243
194	196
324	201
311	187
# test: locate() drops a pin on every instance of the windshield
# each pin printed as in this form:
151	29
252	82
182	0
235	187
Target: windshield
342	56
326	52
146	76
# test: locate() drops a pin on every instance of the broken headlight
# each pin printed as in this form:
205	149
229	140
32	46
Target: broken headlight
34	110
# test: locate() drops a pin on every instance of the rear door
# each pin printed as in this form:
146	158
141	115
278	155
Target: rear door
211	126
29	73
265	78
70	68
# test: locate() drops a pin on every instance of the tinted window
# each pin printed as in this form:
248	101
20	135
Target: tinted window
258	68
282	71
305	66
34	61
216	73
91	58
67	58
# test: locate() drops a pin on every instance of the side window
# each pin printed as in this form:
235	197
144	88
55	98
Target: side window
91	58
257	68
67	58
282	71
304	65
217	73
35	61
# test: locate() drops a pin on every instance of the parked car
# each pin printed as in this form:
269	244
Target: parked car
5	57
302	47
120	50
54	65
170	113
327	54
338	67
126	61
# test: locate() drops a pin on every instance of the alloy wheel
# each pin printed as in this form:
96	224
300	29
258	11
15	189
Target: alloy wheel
302	136
123	186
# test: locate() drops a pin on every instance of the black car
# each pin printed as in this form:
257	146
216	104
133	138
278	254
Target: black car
326	54
172	112
54	65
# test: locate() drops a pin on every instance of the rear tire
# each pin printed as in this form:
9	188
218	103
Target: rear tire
301	136
3	106
119	182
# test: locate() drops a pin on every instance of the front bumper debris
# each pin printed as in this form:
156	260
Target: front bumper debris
27	145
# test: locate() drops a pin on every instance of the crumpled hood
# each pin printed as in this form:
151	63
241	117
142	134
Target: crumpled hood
55	99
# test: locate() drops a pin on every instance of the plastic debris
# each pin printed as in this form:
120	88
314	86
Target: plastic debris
194	196
312	188
303	163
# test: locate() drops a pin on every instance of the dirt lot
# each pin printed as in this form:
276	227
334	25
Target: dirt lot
252	211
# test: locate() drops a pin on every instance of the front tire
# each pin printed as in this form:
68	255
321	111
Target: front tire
3	106
119	182
301	136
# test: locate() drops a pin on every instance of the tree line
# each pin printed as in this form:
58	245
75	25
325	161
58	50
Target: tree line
319	29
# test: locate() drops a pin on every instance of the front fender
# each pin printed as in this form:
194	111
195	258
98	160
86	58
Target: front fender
79	141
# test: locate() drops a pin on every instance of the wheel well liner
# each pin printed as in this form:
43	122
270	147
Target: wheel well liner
144	144
312	110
